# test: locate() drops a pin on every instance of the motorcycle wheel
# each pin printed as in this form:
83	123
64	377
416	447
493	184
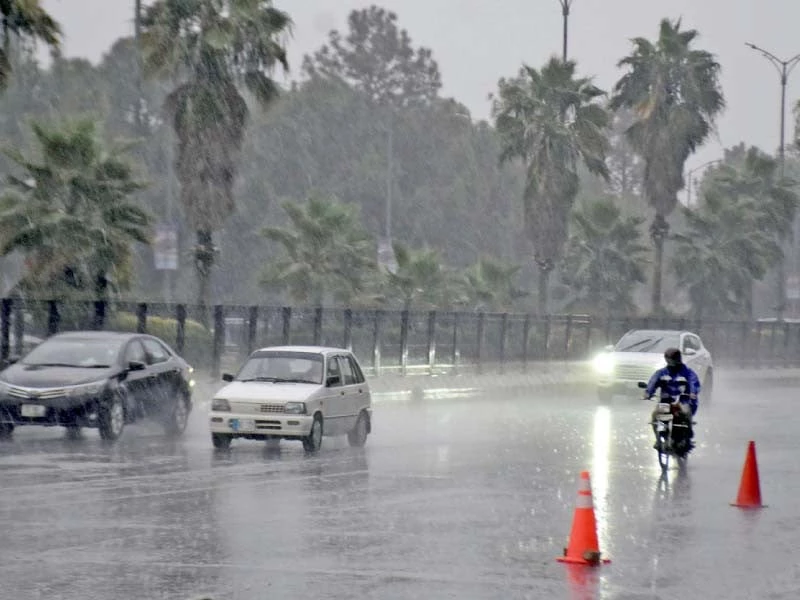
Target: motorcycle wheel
663	452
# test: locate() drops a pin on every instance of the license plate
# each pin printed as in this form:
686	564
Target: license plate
32	410
243	424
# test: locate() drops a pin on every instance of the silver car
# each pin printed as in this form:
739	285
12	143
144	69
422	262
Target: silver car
640	352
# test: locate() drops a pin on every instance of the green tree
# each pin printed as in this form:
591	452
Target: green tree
327	253
28	22
213	50
420	280
553	122
675	94
70	212
489	285
378	59
604	258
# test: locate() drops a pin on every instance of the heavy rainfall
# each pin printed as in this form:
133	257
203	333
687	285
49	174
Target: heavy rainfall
290	307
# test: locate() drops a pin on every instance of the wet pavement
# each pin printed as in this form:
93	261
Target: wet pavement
466	498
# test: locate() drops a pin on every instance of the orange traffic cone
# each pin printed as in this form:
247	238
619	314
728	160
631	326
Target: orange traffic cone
583	547
749	488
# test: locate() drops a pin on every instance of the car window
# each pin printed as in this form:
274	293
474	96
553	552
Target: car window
135	352
333	370
156	353
298	367
689	341
347	371
357	373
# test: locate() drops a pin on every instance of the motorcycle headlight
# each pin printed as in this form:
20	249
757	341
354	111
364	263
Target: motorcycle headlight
295	408
603	364
221	405
88	389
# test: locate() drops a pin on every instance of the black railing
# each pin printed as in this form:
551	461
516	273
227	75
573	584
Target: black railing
385	340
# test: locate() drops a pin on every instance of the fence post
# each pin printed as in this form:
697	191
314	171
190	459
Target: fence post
141	317
479	342
318	326
786	334
5	329
773	330
589	322
546	340
286	311
526	341
503	339
607	332
431	341
252	329
742	348
455	353
99	315
403	341
348	329
219	340
567	337
180	328
19	326
53	318
759	330
376	343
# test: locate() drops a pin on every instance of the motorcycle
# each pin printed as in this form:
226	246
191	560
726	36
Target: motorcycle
672	428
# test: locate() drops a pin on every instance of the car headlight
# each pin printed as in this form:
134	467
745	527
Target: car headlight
221	405
603	364
295	408
88	389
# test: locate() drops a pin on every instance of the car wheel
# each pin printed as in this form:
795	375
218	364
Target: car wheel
6	430
358	436
111	417
178	417
707	389
221	441
313	441
604	396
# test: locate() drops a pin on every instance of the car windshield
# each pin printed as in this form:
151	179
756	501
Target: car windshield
86	353
278	367
647	341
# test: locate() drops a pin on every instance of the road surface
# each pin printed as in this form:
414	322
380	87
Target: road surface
453	498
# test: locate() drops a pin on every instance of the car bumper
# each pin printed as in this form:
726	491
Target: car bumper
50	412
258	425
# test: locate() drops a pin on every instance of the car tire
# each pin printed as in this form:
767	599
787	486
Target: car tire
178	417
6	430
604	396
313	441
358	436
221	441
111	417
707	389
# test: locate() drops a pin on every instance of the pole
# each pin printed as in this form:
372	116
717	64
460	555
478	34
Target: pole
565	6
137	33
784	68
389	178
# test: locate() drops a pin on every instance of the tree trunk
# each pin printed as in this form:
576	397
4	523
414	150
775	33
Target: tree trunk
658	231
204	254
545	268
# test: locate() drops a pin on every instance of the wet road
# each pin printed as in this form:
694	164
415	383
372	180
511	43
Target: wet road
451	499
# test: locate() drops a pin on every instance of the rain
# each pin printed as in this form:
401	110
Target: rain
372	300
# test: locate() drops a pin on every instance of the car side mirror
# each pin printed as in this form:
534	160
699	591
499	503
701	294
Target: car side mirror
227	377
136	365
332	380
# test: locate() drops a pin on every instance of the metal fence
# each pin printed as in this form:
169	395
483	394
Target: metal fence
387	341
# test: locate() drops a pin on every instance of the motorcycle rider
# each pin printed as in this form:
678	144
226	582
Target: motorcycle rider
676	379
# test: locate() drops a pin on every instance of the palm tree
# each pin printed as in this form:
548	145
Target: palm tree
489	285
213	50
675	93
552	121
24	19
328	253
420	279
604	259
71	214
723	251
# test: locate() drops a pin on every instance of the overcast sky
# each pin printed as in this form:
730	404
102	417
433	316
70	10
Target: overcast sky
477	41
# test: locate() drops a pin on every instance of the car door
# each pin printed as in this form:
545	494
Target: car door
135	381
362	396
351	386
159	369
692	352
336	410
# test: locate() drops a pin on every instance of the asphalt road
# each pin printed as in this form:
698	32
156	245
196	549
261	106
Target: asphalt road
461	498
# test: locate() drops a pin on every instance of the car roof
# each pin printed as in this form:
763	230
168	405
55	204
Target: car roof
97	335
660	331
306	349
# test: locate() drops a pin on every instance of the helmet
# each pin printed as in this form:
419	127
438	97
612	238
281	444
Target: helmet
673	357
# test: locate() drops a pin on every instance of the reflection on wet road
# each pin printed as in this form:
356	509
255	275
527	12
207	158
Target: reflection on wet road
452	499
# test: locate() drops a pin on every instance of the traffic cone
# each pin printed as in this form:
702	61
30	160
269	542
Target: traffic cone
749	488
583	547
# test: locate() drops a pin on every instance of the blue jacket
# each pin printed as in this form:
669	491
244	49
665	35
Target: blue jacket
685	381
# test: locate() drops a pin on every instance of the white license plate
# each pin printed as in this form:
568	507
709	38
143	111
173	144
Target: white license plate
32	410
243	424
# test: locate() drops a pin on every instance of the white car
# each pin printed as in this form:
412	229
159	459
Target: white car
640	352
280	393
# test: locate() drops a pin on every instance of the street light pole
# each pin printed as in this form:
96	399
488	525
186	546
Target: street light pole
784	68
565	6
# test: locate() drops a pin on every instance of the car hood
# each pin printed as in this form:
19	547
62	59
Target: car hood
653	359
263	391
50	377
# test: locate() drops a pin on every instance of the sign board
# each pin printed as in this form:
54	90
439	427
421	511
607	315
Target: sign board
165	248
386	258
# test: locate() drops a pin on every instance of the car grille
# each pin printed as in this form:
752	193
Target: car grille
633	372
272	408
36	394
253	408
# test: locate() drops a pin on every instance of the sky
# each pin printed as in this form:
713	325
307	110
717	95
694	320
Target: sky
478	41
